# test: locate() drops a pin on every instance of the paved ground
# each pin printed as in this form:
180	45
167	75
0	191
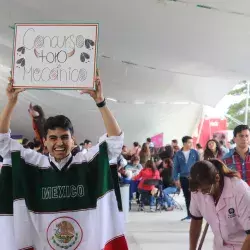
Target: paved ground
160	231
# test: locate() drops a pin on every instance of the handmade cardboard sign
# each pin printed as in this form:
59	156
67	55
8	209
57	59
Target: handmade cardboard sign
55	56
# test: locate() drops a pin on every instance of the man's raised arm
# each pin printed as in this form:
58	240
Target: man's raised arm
5	141
5	116
109	120
114	137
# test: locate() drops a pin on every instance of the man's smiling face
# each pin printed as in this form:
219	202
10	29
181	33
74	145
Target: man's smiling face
59	143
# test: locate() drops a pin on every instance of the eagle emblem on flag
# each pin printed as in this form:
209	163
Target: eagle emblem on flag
64	233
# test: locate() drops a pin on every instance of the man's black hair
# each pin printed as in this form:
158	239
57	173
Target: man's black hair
136	144
186	138
167	153
25	141
148	139
31	145
58	121
86	141
37	144
239	129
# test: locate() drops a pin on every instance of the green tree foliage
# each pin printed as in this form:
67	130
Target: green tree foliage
237	110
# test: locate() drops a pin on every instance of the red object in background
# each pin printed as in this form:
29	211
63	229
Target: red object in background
210	128
157	140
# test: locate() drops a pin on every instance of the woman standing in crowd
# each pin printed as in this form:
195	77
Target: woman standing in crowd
144	154
212	150
222	199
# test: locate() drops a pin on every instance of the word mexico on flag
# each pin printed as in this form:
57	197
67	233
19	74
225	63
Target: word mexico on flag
44	209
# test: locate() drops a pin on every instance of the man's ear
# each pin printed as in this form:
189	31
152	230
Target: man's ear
44	142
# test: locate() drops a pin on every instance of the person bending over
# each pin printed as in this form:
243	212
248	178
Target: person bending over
220	197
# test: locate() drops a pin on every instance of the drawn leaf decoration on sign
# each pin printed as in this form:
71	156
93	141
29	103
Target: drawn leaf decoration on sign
20	49
21	61
84	56
92	43
89	43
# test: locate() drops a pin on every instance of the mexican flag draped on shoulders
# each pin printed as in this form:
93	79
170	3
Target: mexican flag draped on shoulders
43	208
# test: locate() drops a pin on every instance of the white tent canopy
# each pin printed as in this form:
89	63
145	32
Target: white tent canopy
158	52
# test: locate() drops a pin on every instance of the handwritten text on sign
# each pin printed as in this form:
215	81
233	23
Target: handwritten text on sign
55	56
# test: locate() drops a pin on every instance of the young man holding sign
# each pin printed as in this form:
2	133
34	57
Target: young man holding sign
60	201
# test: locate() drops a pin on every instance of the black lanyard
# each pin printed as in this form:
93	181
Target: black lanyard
64	168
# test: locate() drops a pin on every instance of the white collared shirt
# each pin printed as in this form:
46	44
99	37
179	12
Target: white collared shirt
84	151
7	145
60	164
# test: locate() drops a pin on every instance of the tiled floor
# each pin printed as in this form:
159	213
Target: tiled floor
160	231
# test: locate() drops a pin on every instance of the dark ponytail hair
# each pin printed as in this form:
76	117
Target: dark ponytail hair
170	165
169	162
150	164
204	172
223	170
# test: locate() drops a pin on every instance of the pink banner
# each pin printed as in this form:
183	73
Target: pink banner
211	128
158	140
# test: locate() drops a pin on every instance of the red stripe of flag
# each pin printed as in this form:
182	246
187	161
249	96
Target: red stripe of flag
118	243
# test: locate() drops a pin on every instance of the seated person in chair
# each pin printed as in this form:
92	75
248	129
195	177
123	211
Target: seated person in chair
127	171
148	173
133	168
168	183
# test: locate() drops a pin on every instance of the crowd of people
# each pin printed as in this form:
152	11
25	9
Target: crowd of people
171	164
208	177
214	180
